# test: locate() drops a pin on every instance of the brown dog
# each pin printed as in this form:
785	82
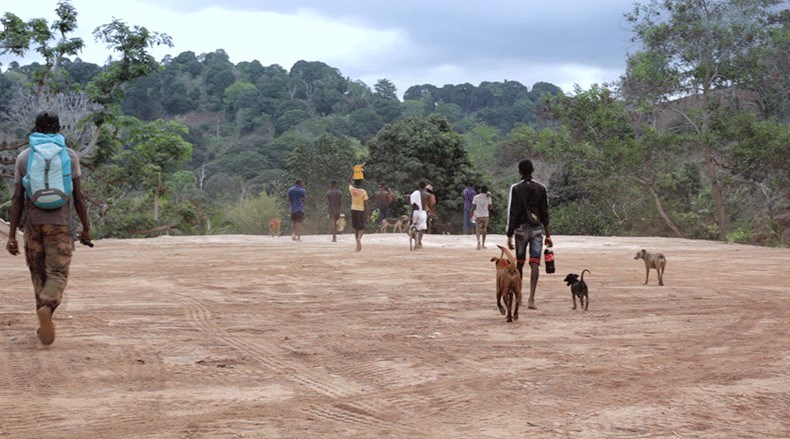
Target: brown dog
398	224
508	284
653	260
274	226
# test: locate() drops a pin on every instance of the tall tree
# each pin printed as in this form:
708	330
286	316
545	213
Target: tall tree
52	42
318	161
385	89
608	151
422	148
159	150
691	49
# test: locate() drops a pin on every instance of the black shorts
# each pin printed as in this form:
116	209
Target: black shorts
297	217
358	219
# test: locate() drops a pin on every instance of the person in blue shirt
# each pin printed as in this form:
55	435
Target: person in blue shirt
468	195
297	195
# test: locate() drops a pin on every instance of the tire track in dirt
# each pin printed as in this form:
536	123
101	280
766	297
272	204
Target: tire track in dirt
26	368
320	383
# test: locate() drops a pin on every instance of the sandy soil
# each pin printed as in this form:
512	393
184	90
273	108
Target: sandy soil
263	337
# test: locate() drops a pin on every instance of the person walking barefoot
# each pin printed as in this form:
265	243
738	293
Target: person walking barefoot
481	203
49	240
297	196
359	198
334	201
528	221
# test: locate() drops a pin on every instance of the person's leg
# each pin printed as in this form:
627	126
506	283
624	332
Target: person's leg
484	229
422	226
362	225
35	259
464	224
357	218
333	223
48	254
521	241
535	249
478	233
299	225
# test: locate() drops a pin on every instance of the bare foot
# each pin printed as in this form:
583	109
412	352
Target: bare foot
46	330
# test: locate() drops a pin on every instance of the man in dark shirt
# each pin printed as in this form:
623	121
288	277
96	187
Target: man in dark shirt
334	201
528	221
468	195
384	197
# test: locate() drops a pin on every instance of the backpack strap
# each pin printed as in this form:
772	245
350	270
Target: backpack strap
65	160
26	181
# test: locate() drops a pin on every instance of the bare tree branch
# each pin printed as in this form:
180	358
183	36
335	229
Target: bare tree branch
72	108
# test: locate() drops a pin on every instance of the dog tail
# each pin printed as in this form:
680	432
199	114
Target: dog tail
586	271
506	252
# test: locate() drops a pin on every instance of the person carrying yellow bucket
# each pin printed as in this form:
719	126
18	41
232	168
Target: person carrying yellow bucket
359	198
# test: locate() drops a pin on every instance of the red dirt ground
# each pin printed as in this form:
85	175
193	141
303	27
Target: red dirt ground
263	337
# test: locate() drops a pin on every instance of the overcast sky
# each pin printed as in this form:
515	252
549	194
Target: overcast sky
409	42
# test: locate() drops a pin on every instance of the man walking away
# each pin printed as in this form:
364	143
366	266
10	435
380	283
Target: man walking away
528	221
334	201
297	196
48	235
468	195
384	197
481	204
359	198
419	217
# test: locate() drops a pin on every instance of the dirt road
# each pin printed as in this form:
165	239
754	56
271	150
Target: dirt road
261	337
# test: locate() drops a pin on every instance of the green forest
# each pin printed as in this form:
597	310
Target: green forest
692	141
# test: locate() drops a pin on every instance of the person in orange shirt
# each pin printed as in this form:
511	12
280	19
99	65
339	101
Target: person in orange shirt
359	198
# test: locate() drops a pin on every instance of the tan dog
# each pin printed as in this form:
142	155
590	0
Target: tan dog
274	226
413	236
398	224
508	284
653	260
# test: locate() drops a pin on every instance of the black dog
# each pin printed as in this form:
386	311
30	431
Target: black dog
578	289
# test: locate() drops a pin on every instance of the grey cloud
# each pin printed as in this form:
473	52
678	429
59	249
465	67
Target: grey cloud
544	31
471	34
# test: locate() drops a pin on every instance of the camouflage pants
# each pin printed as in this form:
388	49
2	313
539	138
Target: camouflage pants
48	256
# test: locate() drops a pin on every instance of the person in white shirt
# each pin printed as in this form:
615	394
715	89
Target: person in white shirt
481	203
419	217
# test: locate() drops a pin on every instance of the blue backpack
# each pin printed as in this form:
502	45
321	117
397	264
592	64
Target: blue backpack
47	181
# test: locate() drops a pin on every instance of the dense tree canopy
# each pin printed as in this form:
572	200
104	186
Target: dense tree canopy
685	145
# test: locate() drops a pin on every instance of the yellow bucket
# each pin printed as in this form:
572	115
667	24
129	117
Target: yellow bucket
359	173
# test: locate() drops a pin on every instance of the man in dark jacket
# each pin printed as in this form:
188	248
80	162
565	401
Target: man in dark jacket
528	221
